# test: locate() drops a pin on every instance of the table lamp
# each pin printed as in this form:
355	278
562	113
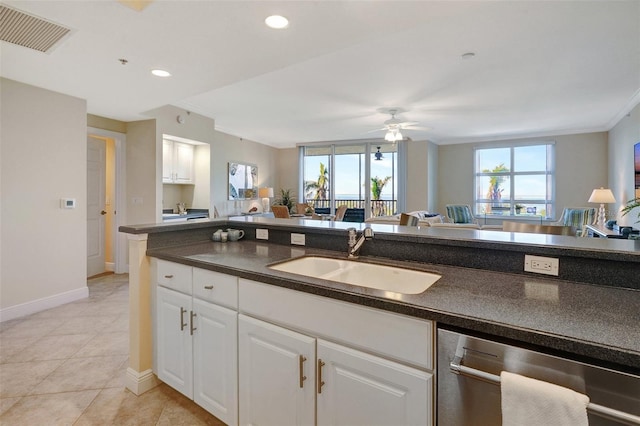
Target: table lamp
602	196
265	194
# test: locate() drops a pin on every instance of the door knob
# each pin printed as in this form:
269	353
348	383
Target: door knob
103	212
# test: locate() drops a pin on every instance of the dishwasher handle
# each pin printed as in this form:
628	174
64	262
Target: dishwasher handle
456	367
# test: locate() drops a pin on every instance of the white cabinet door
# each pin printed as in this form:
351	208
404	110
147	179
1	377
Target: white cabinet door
174	346
177	162
362	389
183	163
215	359
167	161
277	375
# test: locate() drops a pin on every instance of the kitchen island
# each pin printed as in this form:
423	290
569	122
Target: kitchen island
589	313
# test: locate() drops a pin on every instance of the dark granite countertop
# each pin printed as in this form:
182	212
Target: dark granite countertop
587	322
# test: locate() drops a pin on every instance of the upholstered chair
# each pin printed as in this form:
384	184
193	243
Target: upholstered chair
460	213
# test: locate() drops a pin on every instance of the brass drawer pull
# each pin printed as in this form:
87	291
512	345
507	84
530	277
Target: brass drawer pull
169	276
302	376
208	287
320	382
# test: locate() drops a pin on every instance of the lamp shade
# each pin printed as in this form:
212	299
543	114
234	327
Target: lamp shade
265	192
602	196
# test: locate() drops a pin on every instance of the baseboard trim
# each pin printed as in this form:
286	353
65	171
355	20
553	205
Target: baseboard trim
43	304
109	266
140	382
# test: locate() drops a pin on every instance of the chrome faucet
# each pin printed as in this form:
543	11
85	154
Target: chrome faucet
354	246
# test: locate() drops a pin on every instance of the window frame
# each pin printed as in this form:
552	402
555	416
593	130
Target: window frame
549	173
398	192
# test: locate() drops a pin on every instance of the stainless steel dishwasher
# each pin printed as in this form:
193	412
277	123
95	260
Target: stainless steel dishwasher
469	382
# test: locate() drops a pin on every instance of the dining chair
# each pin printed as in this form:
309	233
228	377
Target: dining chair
534	228
280	212
301	208
408	220
340	211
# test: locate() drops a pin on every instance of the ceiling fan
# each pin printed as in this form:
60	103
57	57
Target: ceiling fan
394	125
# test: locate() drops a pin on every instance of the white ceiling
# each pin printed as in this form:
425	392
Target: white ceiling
540	68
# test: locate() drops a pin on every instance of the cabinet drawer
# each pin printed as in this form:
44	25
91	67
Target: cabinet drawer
215	287
174	275
395	336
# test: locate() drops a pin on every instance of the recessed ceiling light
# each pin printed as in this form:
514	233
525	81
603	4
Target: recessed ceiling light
468	55
161	73
277	22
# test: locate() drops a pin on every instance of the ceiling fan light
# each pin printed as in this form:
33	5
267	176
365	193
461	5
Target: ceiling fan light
389	137
398	136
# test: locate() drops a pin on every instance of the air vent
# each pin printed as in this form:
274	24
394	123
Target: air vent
29	31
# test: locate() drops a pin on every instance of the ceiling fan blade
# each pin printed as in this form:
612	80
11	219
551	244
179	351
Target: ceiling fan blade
416	128
377	130
405	124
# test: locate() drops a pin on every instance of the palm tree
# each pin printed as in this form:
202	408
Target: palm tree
320	187
377	185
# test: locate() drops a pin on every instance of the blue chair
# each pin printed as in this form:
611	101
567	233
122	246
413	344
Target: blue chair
577	217
460	213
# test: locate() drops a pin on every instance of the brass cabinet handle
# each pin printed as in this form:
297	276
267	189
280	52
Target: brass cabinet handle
168	276
208	287
302	359
103	212
191	327
320	382
182	323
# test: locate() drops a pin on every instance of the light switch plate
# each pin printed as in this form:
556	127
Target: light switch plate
297	239
262	234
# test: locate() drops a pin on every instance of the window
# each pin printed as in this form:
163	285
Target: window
515	180
351	174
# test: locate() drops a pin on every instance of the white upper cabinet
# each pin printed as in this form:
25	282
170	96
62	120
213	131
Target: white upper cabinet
177	162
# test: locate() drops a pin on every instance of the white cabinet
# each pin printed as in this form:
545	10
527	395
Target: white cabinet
196	340
356	388
215	360
277	375
175	356
177	162
351	386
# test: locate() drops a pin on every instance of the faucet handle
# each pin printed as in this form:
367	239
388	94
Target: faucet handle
368	233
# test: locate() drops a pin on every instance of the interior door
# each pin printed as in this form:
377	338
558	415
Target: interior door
96	183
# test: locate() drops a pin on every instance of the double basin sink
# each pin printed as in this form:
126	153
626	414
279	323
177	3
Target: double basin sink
369	275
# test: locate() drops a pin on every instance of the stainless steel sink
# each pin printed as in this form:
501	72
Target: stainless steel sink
370	275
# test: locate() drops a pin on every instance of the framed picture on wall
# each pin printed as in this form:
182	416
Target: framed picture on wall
243	180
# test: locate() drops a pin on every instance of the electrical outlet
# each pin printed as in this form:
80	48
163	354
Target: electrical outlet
541	265
262	234
297	239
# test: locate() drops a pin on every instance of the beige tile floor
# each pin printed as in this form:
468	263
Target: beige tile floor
66	366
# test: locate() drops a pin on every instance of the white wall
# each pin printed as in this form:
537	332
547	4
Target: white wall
228	148
141	172
288	171
581	166
422	172
43	140
622	138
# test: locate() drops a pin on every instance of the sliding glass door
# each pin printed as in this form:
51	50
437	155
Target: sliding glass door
362	176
